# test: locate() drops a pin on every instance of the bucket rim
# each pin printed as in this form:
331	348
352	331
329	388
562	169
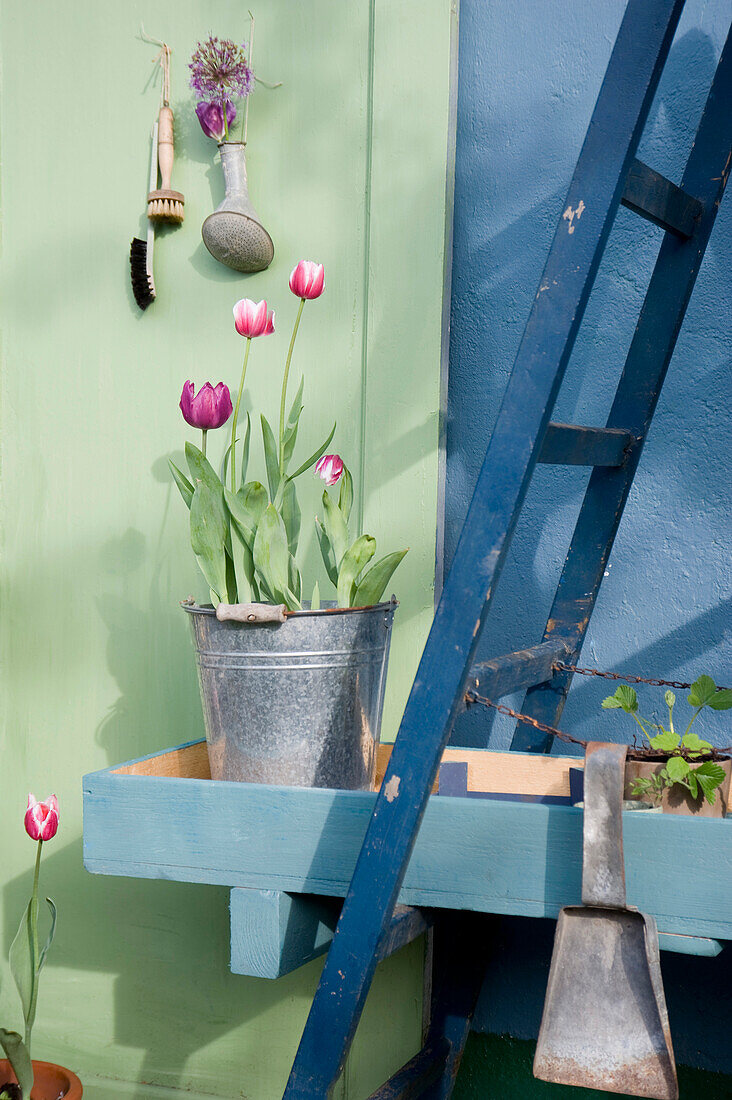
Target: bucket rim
306	613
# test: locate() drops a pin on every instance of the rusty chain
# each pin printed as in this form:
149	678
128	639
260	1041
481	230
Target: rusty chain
637	750
628	679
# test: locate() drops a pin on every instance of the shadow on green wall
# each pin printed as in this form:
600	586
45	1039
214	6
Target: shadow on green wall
161	1008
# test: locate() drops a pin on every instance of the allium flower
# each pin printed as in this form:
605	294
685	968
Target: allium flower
211	117
251	318
307	279
219	70
210	408
41	818
330	468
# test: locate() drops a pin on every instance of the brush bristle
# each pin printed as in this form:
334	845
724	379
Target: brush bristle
143	287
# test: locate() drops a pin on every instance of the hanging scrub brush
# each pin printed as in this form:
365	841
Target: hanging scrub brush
163	204
141	252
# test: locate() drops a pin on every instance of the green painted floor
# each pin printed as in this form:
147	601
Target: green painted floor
497	1067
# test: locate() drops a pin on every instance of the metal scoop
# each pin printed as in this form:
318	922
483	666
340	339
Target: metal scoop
605	1024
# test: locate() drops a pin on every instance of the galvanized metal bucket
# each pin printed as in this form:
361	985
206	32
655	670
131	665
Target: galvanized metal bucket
297	703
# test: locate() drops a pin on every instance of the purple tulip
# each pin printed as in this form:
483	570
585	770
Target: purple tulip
210	408
211	117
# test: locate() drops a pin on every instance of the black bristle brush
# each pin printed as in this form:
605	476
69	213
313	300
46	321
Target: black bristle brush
141	252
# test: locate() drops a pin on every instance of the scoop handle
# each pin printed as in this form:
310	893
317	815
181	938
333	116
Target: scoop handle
166	150
603	863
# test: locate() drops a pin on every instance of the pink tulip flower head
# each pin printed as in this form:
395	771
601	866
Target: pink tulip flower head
209	408
307	279
251	318
41	818
330	468
211	117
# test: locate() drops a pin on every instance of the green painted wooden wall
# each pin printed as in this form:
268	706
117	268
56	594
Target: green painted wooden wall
348	165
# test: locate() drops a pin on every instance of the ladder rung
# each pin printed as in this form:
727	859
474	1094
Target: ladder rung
573	445
656	198
517	671
418	1074
407	925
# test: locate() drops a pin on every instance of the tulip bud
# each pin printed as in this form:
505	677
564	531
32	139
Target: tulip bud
307	279
251	318
330	468
210	408
211	117
41	818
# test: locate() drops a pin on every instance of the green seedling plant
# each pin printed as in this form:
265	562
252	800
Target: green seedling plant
683	750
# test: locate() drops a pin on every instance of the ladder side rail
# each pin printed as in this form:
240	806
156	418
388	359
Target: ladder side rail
667	298
593	198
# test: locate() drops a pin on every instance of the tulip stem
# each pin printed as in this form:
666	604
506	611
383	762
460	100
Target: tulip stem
232	456
204	432
284	388
33	943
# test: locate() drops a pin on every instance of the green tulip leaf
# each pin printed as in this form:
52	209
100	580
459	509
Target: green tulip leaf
23	963
245	451
315	598
271	457
184	485
335	528
371	588
289	437
354	562
291	516
665	742
209	533
295	580
17	1054
345	495
49	937
326	551
313	457
677	769
272	557
702	691
721	700
242	517
246	588
254	497
201	469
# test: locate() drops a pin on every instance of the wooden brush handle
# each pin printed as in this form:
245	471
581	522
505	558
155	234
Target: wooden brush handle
165	147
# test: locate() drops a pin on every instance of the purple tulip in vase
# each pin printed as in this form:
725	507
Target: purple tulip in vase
233	234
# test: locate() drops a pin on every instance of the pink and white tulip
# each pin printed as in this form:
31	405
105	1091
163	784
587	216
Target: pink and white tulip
209	408
41	818
307	279
251	318
330	468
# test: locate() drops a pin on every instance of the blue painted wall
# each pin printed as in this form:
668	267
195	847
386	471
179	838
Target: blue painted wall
529	75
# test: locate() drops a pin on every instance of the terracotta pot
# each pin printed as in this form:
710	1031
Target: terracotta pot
676	799
52	1082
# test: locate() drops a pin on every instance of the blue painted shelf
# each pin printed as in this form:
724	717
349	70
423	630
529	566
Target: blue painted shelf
163	817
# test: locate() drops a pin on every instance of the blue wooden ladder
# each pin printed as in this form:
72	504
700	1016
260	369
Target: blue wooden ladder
607	174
